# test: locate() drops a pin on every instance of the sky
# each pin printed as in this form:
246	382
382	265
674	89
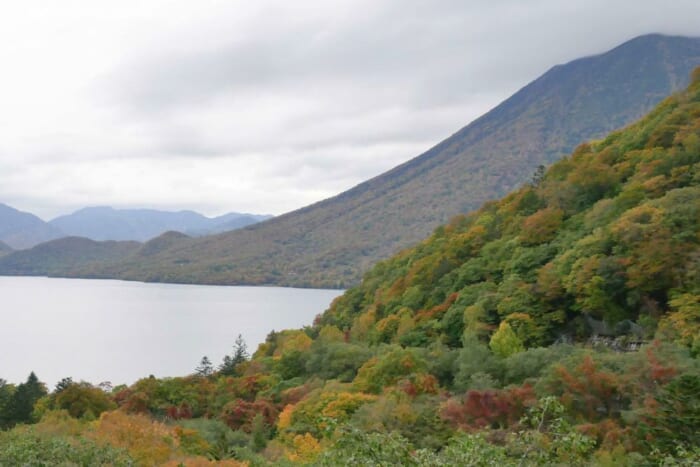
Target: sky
267	106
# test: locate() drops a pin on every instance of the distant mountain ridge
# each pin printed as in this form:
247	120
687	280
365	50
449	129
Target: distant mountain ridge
107	223
5	249
20	229
332	243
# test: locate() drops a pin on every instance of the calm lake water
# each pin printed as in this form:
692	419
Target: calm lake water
116	331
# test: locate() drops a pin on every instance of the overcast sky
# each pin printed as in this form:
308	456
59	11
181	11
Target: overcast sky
266	106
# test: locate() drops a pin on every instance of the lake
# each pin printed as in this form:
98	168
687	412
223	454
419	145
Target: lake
105	330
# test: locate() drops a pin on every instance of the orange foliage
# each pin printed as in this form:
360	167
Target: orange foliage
541	226
147	441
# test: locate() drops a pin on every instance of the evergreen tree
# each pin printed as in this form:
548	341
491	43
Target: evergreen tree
24	398
62	385
240	351
205	368
240	355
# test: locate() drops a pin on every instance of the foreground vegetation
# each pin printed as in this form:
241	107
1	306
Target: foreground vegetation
557	326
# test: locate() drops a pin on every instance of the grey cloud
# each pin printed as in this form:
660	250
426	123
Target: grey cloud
303	99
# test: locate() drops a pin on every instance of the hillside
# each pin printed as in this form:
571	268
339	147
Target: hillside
609	235
106	223
23	230
329	244
59	257
559	325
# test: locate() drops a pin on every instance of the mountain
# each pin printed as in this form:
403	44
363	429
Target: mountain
4	249
606	238
106	223
23	230
331	243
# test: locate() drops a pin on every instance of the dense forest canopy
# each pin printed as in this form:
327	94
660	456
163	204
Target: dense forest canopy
559	325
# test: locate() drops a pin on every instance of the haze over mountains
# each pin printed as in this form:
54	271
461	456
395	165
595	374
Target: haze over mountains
106	223
331	243
20	230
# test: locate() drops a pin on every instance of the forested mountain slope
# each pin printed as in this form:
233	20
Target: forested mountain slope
610	234
332	242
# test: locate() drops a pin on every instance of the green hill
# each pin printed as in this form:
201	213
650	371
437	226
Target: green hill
61	257
609	234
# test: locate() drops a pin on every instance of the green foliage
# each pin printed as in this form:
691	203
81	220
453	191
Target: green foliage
20	407
336	360
504	342
80	400
25	447
674	418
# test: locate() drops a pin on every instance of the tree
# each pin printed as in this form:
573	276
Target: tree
205	368
240	351
240	355
25	397
504	342
6	395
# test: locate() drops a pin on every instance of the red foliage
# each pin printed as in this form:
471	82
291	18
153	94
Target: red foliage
132	401
296	393
659	373
419	384
239	413
494	408
608	433
245	387
589	392
177	413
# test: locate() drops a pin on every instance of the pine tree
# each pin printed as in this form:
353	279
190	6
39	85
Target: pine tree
24	398
240	351
240	355
205	368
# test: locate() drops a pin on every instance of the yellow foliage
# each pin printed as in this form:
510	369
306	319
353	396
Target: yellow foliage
406	324
306	449
59	423
330	333
683	324
292	340
363	324
345	403
285	417
148	442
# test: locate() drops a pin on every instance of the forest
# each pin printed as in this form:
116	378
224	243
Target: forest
559	325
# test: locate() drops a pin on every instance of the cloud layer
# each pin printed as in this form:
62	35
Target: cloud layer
267	106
